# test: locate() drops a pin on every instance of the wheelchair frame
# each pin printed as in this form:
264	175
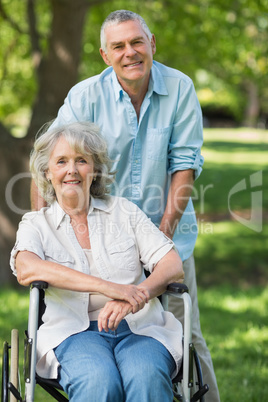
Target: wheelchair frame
183	385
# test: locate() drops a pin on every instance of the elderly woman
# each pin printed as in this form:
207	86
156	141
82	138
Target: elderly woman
104	335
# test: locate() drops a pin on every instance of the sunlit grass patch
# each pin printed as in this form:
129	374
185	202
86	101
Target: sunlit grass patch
232	157
235	157
234	325
243	135
231	253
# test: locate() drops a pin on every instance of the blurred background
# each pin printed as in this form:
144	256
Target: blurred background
48	46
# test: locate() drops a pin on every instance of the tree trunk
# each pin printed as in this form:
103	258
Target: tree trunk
14	195
56	74
252	111
58	70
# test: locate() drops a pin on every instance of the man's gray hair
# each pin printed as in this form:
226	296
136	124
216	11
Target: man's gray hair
86	139
117	17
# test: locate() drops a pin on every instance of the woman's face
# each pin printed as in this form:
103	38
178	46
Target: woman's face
71	174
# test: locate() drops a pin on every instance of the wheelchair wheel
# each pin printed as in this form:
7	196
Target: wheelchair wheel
5	373
10	367
198	390
14	361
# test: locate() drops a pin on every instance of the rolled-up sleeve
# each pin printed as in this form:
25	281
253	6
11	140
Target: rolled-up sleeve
27	239
187	135
153	244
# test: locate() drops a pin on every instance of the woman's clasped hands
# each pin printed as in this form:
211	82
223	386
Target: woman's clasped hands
127	299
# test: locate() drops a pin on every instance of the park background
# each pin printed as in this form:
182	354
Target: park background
48	46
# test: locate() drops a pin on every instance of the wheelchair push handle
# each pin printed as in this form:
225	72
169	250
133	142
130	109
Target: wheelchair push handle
176	287
39	285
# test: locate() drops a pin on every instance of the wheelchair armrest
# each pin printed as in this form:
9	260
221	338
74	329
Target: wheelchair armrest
39	285
177	288
172	287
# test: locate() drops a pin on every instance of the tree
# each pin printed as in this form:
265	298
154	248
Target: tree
55	62
49	45
235	34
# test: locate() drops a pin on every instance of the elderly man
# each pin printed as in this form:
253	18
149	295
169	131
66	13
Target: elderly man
151	119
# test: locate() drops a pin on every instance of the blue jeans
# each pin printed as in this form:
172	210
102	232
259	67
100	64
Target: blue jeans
115	366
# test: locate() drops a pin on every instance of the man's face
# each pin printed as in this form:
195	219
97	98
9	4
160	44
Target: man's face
129	52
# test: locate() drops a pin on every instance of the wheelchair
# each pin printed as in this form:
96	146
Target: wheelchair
187	386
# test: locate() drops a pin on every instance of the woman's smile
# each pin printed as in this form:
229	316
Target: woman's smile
72	182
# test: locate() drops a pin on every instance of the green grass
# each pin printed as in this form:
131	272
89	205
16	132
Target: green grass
13	314
230	157
232	246
234	324
231	264
229	253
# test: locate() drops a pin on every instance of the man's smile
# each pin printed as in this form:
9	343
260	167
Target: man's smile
137	63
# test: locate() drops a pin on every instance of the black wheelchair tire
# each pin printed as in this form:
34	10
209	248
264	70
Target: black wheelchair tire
198	380
5	372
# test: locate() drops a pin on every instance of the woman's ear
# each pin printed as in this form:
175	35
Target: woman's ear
95	175
48	175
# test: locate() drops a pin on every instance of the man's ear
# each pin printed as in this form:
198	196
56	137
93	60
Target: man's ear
153	44
105	57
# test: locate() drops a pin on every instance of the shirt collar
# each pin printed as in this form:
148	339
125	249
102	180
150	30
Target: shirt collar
95	203
156	83
118	90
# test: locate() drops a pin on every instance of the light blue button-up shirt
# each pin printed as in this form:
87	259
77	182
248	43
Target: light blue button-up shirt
145	152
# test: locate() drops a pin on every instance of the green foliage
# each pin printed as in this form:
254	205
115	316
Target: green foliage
226	39
18	82
16	74
218	97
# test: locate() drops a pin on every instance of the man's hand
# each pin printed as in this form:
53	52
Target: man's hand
178	196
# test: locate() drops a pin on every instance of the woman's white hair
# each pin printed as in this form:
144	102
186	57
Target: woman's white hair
117	17
86	139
